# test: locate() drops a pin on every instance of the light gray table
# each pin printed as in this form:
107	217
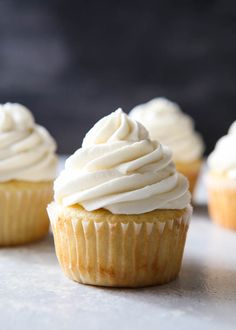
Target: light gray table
34	293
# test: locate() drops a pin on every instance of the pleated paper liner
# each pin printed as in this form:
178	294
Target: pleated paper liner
191	170
222	200
119	251
23	216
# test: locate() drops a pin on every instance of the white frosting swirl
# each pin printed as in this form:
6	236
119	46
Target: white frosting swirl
120	169
27	151
222	160
168	124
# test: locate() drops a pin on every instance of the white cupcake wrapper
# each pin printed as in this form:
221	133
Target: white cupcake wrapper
23	216
119	254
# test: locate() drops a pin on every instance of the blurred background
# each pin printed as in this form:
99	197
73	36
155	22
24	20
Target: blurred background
72	62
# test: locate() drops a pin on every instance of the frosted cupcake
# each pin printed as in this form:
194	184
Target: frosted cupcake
27	168
221	180
168	124
121	211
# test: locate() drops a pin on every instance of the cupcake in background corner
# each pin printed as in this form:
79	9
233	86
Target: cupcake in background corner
168	124
28	165
121	211
221	180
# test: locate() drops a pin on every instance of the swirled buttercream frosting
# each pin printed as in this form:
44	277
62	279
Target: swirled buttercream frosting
120	169
222	160
27	151
168	124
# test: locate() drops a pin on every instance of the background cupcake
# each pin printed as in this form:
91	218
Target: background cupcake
27	167
168	124
121	210
221	180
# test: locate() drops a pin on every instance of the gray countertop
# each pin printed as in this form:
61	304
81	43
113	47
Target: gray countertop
34	293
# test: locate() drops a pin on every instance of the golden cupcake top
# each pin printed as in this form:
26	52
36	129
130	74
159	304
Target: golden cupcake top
120	169
27	150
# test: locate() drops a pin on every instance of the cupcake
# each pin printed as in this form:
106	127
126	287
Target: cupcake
221	181
121	211
168	124
27	169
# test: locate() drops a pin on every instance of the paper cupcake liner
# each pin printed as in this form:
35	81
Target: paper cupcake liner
191	171
222	201
192	178
119	254
23	216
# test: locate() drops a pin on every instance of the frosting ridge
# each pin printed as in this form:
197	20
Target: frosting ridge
168	124
120	169
27	150
223	158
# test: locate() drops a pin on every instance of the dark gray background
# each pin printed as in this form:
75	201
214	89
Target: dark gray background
72	62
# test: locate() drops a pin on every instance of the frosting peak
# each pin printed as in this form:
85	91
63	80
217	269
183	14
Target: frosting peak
27	151
223	158
168	124
120	169
115	127
14	116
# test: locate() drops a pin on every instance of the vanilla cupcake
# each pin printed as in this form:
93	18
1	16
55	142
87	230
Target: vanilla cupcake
121	211
221	180
27	168
168	124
